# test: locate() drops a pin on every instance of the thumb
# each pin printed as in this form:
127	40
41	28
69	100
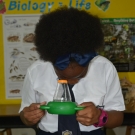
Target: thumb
43	103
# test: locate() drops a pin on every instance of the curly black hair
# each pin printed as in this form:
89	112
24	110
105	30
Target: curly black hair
67	30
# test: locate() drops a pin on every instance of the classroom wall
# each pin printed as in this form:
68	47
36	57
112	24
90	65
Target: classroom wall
116	9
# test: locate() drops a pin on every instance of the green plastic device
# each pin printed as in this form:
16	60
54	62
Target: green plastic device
62	108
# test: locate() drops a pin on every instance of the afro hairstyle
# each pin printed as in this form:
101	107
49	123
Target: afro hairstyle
67	30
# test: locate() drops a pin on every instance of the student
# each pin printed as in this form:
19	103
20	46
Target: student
67	41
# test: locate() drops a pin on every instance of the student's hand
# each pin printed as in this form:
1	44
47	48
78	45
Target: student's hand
31	115
89	115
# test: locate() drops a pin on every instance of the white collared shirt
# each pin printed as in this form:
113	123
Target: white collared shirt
101	86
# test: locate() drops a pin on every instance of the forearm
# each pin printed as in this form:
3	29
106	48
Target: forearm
115	119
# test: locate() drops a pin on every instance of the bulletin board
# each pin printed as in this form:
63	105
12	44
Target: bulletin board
22	9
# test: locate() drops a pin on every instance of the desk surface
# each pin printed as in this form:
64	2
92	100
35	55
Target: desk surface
9	117
9	110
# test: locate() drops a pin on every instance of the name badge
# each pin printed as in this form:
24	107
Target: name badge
67	132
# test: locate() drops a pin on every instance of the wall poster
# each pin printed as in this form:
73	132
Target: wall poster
19	50
20	53
119	37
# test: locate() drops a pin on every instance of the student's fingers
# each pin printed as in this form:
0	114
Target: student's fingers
34	106
37	115
35	118
88	115
88	107
43	103
28	114
84	113
35	112
38	118
85	104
